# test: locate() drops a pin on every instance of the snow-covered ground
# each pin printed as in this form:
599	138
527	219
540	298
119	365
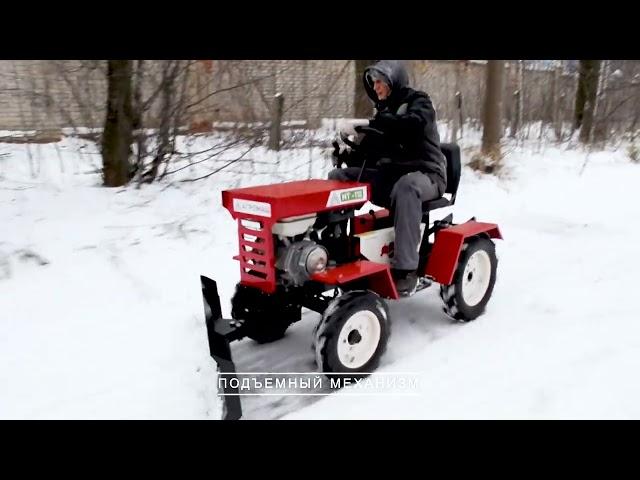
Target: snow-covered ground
101	313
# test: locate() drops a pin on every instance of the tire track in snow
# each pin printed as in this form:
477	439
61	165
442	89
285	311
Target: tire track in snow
417	321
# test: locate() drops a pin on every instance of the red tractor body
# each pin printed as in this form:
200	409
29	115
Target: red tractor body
258	209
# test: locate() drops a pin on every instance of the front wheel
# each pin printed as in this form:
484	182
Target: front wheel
265	317
352	335
467	296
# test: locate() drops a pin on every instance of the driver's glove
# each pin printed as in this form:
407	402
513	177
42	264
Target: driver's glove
339	157
383	121
384	163
337	162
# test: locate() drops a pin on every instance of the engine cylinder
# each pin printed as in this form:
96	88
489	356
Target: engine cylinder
302	259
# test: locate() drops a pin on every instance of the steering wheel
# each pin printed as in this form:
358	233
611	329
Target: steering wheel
366	147
375	131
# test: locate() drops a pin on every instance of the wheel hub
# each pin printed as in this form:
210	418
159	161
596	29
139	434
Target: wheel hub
354	337
359	339
477	275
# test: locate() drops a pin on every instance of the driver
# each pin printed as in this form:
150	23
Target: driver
404	165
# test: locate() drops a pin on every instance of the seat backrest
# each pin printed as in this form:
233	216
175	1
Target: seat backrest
452	153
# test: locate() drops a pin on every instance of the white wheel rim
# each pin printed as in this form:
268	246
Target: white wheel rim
476	276
358	339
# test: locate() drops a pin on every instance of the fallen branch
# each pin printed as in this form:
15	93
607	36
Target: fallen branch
231	162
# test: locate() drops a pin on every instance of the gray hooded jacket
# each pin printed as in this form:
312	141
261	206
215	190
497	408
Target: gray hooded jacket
408	119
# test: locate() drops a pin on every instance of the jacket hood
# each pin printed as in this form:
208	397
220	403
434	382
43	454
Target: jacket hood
394	74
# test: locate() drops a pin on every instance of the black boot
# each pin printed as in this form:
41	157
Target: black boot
406	281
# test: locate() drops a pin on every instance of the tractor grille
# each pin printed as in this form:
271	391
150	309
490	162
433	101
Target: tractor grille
256	255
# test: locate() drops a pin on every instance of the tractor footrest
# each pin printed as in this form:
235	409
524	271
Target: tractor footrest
377	274
349	272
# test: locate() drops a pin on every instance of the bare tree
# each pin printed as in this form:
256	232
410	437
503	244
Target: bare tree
556	97
362	106
492	116
457	104
586	95
600	124
169	118
118	127
518	101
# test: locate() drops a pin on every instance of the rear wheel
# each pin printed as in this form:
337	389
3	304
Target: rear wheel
467	296
352	335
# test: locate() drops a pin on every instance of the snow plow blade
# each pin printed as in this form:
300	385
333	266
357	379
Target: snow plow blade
220	333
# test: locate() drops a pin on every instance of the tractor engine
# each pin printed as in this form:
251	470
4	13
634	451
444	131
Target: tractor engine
299	260
306	245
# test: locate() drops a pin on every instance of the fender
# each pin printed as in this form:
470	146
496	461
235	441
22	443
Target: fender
445	252
369	275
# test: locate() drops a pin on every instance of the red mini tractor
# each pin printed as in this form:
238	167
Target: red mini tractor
302	244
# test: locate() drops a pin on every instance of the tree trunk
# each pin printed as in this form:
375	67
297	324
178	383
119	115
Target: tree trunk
362	106
591	100
137	119
634	121
555	113
600	126
586	95
521	89
118	127
492	114
457	105
516	114
275	135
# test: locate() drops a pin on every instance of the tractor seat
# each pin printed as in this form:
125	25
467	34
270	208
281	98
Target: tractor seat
451	152
434	204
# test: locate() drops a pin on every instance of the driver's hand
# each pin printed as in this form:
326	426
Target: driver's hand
383	162
337	162
383	120
350	127
339	156
336	149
